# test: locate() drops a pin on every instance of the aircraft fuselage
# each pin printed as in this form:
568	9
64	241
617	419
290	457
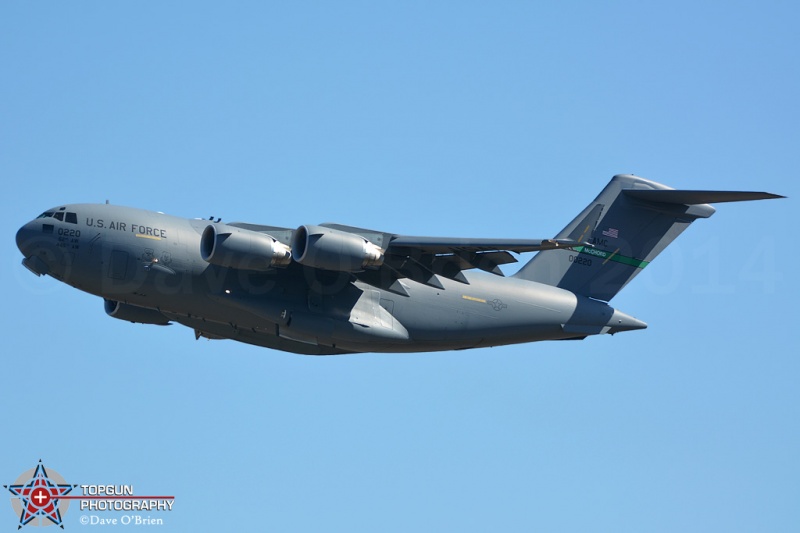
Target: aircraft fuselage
149	268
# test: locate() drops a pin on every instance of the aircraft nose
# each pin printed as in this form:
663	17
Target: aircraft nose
33	244
25	239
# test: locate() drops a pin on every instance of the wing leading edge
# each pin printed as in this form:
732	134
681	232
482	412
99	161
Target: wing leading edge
445	245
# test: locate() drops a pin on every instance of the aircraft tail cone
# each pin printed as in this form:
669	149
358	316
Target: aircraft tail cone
622	322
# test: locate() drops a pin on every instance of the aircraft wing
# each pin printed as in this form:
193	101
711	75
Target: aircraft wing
422	259
283	235
405	244
445	245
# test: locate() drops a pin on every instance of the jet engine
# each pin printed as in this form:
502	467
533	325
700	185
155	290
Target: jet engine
134	313
232	247
331	249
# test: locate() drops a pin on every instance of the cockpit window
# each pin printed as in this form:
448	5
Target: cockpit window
69	217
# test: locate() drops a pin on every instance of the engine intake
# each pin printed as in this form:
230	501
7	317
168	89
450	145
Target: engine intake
232	247
134	313
330	249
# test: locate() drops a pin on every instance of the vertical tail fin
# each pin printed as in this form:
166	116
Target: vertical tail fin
629	223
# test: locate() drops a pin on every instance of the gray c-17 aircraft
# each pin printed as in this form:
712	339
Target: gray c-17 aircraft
334	289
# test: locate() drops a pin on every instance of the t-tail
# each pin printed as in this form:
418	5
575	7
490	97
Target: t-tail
629	223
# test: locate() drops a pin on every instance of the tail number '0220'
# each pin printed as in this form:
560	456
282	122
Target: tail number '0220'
67	232
578	260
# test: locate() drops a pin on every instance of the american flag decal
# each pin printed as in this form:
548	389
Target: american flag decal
611	232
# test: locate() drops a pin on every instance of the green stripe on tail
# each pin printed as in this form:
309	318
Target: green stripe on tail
611	256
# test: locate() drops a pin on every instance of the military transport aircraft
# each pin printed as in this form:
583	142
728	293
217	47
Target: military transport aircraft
333	289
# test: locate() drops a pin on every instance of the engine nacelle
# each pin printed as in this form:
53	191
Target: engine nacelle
331	249
233	247
134	313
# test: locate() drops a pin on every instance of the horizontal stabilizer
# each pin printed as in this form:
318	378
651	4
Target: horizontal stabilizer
696	197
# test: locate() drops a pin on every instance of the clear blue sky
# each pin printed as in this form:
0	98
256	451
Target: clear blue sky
498	119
